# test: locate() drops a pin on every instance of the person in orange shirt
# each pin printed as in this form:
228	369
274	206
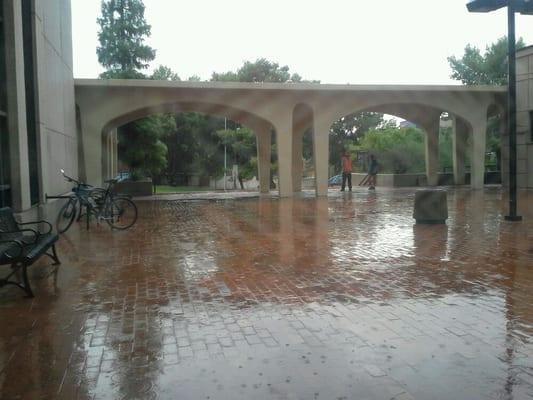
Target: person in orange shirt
346	171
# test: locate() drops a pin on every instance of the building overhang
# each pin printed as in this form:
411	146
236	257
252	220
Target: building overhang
289	87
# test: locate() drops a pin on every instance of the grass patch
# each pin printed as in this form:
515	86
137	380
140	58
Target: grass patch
163	189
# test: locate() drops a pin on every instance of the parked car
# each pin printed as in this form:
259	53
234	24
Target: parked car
335	180
123	176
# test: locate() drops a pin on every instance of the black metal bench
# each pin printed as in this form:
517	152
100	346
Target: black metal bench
20	247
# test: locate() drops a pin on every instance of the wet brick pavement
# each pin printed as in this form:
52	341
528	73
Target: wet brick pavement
338	298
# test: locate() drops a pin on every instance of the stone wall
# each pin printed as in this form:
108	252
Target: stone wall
524	139
40	78
55	91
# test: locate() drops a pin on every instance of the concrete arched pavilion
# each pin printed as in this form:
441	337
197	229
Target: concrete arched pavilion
288	110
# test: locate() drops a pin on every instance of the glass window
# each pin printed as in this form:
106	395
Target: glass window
3	87
5	172
29	78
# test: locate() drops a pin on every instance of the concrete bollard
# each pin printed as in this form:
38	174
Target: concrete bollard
431	206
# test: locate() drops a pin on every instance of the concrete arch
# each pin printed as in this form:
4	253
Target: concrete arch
264	106
106	130
256	124
242	117
427	117
468	106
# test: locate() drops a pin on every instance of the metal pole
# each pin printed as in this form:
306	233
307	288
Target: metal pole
512	114
225	157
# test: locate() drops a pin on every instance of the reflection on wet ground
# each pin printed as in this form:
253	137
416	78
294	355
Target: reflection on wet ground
338	298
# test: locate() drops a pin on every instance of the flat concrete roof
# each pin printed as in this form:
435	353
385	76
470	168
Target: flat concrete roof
524	51
149	83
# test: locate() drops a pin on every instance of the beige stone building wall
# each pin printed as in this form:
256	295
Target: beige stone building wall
524	70
55	88
52	94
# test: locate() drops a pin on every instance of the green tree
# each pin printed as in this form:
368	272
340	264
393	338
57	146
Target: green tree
241	144
140	145
490	68
261	70
348	131
122	51
398	150
123	30
193	147
164	73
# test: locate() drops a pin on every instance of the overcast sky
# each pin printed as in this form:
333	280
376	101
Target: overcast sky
334	41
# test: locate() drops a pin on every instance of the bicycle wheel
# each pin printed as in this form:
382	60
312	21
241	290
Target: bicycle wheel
120	213
66	215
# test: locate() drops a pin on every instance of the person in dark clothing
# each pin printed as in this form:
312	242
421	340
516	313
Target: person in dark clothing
372	172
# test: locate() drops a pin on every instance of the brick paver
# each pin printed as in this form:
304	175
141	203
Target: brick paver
338	298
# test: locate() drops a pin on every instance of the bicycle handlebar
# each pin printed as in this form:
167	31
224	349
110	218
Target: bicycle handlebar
110	182
68	178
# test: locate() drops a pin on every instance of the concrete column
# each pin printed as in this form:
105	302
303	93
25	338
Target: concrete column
16	106
107	158
321	155
106	155
114	165
111	154
504	147
479	138
432	151
297	160
283	125
91	147
459	139
264	142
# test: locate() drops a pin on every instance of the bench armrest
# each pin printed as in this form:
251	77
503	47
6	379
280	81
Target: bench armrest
10	256
21	232
48	224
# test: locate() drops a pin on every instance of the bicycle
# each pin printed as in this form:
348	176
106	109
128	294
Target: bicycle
119	211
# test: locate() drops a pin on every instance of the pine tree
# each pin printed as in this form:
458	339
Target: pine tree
123	30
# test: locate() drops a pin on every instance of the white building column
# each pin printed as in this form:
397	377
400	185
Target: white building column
432	151
283	125
16	106
107	149
264	142
459	140
92	143
479	138
321	154
504	151
297	160
111	154
114	165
